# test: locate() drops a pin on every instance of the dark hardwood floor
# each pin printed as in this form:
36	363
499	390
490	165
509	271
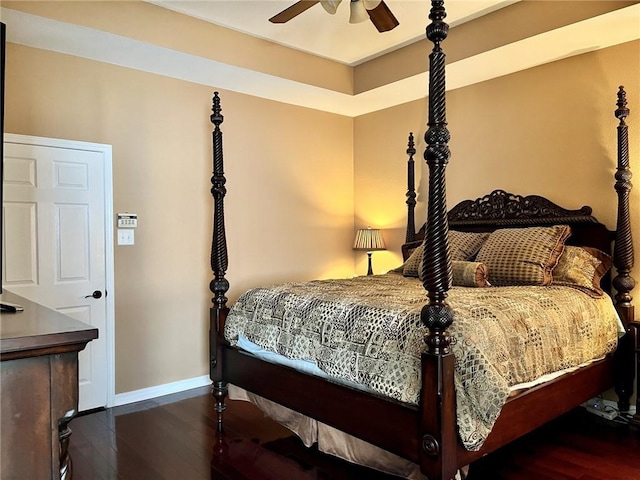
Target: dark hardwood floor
173	437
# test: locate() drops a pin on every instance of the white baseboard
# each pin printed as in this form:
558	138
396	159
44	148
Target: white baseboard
160	390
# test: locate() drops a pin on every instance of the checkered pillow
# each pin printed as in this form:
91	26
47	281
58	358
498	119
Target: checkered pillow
462	246
410	267
523	256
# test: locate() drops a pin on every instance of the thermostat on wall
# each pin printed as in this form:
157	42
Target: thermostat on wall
127	220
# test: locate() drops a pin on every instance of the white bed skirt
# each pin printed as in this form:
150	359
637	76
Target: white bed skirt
332	441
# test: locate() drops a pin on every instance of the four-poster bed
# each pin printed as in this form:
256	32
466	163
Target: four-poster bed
426	430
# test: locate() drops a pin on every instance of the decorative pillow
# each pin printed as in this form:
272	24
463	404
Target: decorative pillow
582	267
470	274
463	246
408	248
523	256
412	264
466	274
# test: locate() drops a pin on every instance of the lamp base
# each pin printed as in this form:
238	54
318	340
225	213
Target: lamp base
370	271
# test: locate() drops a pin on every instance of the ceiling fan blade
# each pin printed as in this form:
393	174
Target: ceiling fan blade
382	18
293	11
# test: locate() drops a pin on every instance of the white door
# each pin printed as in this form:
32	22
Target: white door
56	243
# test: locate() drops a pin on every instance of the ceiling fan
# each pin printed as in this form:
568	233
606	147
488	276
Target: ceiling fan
361	10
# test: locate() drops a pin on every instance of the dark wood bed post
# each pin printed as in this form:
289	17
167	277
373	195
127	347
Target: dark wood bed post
623	282
219	262
623	248
411	190
438	431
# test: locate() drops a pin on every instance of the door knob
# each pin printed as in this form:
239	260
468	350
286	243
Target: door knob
97	294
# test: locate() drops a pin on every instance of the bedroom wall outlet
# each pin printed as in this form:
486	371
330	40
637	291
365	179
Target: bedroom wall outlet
126	236
127	220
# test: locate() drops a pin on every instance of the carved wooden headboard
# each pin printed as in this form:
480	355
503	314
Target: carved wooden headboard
500	209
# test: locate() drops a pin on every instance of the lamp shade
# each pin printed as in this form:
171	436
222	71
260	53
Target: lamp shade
331	6
358	12
369	239
371	4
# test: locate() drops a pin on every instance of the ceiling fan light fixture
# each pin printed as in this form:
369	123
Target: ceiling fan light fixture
331	6
358	12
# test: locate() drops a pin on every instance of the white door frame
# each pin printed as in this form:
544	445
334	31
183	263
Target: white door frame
105	150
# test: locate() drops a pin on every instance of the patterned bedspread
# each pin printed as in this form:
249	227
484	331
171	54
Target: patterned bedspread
367	330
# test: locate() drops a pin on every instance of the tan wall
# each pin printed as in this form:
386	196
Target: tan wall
548	130
523	19
289	206
149	23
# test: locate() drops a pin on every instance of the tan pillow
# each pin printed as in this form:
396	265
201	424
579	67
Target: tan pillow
582	267
463	246
523	256
466	274
470	274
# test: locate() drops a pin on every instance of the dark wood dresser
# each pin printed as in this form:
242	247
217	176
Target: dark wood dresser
39	390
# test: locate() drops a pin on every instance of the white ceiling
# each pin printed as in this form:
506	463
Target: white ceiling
330	36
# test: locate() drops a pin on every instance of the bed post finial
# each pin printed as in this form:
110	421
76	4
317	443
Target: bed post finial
437	314
623	248
219	261
438	29
411	190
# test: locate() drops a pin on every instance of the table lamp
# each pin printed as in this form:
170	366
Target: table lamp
369	239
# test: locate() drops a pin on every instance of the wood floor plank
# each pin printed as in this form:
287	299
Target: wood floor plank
150	435
174	437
